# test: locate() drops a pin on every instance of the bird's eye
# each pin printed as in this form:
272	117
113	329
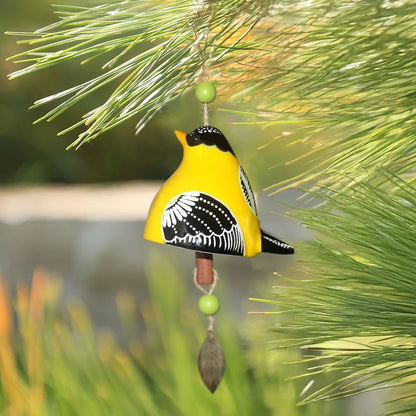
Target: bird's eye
193	139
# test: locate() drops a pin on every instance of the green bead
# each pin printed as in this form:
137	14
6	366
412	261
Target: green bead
206	92
209	304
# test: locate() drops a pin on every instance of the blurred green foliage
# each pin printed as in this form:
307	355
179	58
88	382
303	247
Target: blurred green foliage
355	301
53	361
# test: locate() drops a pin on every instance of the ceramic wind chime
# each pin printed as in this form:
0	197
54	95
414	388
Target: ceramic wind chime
208	206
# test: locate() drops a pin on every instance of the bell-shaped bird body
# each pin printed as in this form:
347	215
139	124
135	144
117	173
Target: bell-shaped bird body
207	204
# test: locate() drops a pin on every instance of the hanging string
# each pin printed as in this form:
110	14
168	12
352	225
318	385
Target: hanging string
206	119
211	323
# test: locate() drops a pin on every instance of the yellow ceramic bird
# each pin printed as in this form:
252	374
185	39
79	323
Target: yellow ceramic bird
207	204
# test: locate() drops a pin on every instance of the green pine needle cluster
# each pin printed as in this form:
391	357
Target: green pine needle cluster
347	67
356	301
353	312
339	72
149	53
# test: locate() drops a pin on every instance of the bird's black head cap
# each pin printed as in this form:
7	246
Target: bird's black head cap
210	136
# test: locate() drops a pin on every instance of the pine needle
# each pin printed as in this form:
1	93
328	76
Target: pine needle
358	309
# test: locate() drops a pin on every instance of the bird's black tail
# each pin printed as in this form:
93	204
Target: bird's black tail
271	244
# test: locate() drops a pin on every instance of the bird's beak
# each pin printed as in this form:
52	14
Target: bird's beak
181	137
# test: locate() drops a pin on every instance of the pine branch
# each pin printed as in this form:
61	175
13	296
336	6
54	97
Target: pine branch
153	50
346	68
347	71
338	75
357	304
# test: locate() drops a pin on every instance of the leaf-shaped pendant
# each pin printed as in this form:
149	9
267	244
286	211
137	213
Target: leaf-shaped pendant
211	362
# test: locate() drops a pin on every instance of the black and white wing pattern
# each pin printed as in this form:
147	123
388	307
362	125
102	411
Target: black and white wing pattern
247	191
198	221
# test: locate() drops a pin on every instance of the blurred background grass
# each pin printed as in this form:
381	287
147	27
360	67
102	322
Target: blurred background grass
53	361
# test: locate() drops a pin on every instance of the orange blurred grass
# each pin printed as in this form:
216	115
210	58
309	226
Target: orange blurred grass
30	307
9	375
53	364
